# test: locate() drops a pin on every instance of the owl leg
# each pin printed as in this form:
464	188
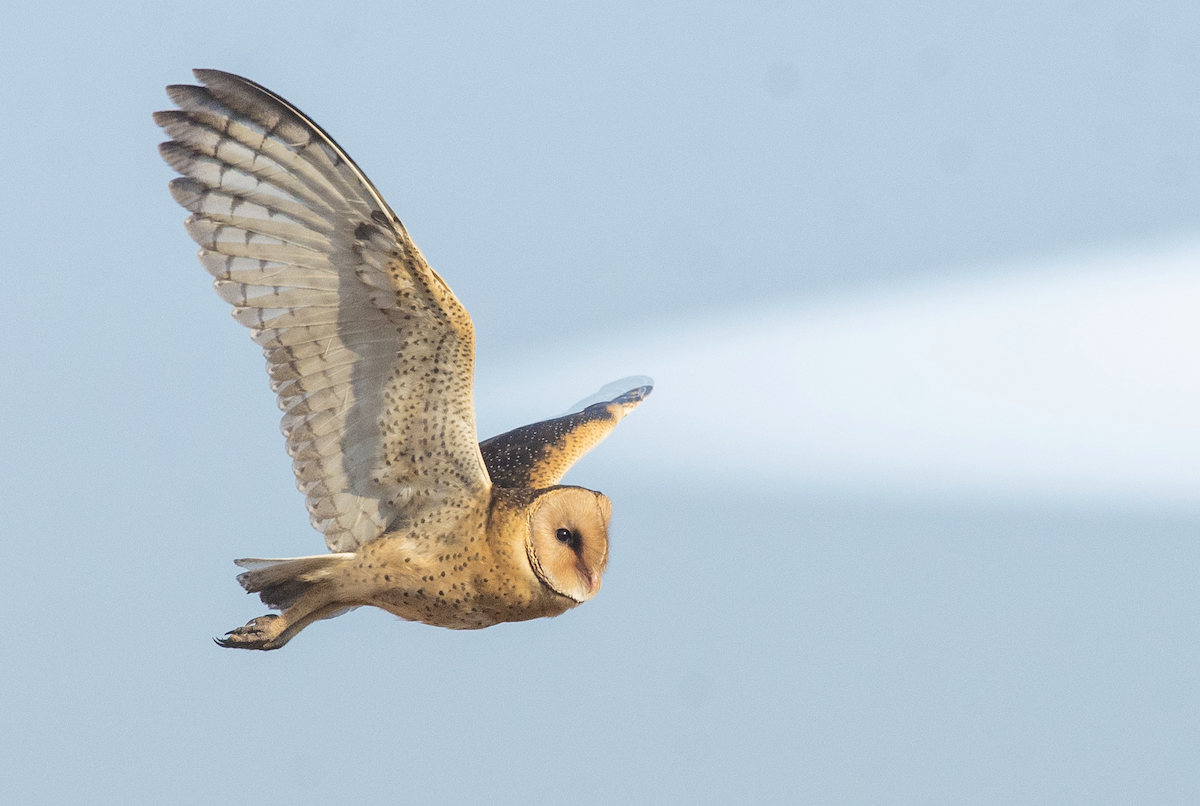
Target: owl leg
272	632
302	587
259	633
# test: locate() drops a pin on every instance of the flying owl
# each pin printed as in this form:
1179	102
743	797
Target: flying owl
372	358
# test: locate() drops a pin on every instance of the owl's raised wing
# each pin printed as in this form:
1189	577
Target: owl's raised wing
539	455
369	351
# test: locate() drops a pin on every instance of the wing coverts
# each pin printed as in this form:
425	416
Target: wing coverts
538	455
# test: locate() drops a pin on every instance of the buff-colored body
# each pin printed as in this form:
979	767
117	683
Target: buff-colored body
464	584
489	569
480	577
372	358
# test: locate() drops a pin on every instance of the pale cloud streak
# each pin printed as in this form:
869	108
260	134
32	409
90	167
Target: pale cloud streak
1075	378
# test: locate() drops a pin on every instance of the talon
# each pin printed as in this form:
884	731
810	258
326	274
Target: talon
258	633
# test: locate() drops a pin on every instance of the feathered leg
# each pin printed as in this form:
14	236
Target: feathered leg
272	631
294	586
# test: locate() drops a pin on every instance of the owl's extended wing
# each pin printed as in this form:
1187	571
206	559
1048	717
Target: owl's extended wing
369	351
539	455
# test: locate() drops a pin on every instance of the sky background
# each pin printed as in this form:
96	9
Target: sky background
912	515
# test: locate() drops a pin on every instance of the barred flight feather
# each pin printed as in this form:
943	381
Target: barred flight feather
353	322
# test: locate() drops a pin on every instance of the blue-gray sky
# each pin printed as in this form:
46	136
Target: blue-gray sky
988	623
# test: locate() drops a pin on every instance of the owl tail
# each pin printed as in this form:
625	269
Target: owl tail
281	582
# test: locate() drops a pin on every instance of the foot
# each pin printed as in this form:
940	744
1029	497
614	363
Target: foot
259	633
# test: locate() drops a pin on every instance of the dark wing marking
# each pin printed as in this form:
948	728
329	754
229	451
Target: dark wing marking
539	455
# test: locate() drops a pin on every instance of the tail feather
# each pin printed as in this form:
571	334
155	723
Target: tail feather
281	582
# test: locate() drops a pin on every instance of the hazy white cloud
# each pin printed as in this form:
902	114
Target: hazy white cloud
1072	378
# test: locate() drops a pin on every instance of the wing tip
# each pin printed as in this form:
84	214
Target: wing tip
208	75
636	395
626	393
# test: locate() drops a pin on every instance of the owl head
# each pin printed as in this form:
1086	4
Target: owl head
567	541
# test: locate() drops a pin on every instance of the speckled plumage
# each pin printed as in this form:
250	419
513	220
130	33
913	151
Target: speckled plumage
540	454
372	359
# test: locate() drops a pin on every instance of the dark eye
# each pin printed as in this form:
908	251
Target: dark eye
564	536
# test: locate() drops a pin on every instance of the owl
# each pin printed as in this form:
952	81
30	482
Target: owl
372	358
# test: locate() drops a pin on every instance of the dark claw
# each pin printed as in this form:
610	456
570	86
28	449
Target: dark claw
255	635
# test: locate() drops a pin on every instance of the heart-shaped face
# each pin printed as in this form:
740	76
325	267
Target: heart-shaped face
568	540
